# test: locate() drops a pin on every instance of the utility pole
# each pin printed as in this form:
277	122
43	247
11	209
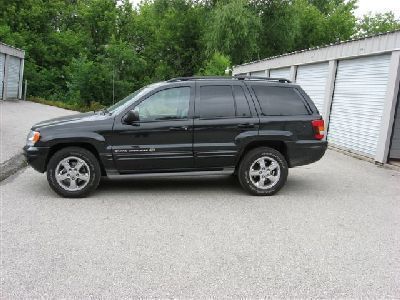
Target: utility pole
113	80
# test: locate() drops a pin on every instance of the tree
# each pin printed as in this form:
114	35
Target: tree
169	36
277	26
315	27
216	65
76	49
377	23
233	29
98	19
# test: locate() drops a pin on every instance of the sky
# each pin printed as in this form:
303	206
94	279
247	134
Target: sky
365	6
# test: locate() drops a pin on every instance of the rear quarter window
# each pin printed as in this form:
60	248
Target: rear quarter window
280	101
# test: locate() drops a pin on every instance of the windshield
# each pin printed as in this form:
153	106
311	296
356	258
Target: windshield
120	105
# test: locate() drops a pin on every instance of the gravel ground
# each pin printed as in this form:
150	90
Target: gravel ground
17	118
333	231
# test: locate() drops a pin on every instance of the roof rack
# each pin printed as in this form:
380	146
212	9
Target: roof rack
198	78
246	77
235	77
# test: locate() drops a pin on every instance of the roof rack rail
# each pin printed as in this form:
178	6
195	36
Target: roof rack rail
198	77
235	77
247	77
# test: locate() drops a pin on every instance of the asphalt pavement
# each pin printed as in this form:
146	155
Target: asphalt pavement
333	231
17	118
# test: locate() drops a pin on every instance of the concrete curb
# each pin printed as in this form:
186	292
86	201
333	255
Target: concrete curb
12	166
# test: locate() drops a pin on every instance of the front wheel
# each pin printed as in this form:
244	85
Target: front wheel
263	171
73	172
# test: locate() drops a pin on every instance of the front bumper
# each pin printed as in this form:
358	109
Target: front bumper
37	157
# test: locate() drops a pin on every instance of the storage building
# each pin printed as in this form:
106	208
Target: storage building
11	72
355	86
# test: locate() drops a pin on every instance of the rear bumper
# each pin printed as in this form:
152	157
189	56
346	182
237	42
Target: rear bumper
305	152
37	157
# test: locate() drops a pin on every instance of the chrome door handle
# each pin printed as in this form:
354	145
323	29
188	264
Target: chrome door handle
178	128
246	125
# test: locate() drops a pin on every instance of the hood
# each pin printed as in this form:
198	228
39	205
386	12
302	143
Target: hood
71	119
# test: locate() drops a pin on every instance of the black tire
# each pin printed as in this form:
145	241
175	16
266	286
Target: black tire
247	162
91	162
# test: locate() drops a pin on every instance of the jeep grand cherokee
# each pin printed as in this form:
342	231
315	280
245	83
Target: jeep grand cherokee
255	128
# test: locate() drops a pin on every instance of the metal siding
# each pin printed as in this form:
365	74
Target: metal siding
368	46
2	61
312	78
280	73
394	152
13	77
358	102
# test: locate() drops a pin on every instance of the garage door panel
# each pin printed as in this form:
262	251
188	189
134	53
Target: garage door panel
280	73
259	73
312	78
13	77
358	101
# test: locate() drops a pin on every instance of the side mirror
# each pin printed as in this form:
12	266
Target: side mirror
131	117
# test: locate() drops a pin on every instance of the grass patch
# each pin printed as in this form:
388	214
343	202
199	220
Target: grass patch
71	106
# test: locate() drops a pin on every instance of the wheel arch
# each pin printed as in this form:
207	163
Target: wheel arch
277	145
84	145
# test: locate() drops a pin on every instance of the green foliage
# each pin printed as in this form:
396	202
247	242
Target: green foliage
233	29
216	65
80	52
168	36
322	24
278	28
377	23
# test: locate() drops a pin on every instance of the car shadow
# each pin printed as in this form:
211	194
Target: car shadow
178	184
295	185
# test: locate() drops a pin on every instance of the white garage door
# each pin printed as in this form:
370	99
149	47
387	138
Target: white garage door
13	77
259	73
2	59
358	102
312	78
280	73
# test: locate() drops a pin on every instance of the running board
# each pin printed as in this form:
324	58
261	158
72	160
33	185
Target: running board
228	171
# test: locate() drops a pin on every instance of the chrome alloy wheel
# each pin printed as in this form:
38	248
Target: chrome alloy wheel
264	172
72	173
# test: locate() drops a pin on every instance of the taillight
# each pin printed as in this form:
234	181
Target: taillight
319	129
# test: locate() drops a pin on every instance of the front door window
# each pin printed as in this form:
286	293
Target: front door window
169	104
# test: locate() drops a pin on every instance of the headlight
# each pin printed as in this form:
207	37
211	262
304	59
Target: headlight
32	138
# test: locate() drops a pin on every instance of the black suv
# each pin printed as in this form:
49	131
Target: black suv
252	127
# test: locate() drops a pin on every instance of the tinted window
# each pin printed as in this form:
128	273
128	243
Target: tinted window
216	102
279	101
165	105
242	106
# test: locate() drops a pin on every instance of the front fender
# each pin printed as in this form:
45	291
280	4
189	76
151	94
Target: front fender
93	141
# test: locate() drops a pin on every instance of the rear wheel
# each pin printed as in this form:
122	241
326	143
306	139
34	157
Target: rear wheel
263	171
73	172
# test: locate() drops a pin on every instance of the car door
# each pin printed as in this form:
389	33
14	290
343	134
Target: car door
162	139
224	114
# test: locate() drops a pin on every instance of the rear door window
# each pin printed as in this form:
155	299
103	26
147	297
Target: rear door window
279	101
216	101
